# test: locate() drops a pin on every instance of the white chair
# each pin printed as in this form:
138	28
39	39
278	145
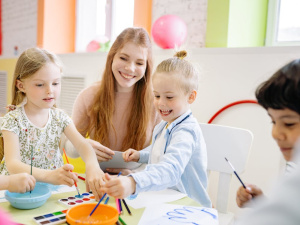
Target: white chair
234	144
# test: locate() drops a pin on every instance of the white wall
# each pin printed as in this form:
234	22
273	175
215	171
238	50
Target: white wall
228	75
19	26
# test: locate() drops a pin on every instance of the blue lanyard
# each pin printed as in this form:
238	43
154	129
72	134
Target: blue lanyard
176	125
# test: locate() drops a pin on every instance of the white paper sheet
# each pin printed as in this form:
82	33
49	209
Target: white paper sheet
118	162
177	215
149	198
55	189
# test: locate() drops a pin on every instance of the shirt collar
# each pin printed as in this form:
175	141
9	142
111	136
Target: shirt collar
179	120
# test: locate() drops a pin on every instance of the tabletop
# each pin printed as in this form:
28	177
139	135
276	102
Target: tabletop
25	216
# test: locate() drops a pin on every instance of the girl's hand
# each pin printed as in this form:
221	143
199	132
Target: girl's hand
119	187
103	153
63	175
116	171
94	180
21	182
245	195
131	155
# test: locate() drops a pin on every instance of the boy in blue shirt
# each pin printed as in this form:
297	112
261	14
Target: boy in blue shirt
177	157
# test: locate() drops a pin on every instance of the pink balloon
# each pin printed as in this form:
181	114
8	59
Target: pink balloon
93	46
169	31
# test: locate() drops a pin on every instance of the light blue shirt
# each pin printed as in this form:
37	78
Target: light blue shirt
184	163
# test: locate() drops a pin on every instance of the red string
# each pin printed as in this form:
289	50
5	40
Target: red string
230	105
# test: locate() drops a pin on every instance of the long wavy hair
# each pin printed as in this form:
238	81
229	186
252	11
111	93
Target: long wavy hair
29	62
141	105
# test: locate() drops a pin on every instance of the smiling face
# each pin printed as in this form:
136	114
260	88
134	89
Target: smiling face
286	130
42	89
129	66
169	98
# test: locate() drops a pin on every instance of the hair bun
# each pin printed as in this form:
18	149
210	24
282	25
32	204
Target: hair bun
181	54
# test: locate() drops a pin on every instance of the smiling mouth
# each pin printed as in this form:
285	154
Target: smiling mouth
127	76
165	112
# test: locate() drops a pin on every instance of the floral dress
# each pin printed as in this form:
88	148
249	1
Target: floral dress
42	143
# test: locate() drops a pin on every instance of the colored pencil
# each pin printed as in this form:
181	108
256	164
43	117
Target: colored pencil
122	221
236	173
126	206
118	205
71	171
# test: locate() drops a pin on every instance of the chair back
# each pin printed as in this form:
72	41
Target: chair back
232	143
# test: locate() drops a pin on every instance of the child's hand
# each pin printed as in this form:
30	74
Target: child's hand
21	182
244	195
119	187
131	155
94	180
63	175
117	170
103	153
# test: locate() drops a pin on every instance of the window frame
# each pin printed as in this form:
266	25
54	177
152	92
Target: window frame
272	26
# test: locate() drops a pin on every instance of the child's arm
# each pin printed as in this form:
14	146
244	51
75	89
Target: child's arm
94	175
15	165
245	195
21	182
162	175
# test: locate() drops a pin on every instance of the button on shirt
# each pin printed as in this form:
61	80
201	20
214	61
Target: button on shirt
183	165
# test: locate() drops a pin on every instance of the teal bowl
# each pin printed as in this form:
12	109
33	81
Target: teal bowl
35	199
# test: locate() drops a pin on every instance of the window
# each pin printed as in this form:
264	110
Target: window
101	19
283	23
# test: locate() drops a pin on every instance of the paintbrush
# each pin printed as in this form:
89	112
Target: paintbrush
71	171
99	203
31	164
235	173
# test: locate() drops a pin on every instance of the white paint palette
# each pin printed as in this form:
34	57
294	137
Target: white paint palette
78	200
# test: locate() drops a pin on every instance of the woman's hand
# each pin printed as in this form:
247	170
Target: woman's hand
103	153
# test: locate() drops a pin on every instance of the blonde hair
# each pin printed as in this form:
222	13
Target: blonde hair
182	70
29	62
104	101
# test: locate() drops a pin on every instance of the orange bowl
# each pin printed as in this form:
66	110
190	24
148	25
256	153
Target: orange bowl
103	215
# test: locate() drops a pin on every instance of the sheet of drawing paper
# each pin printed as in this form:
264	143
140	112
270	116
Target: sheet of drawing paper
149	198
178	215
